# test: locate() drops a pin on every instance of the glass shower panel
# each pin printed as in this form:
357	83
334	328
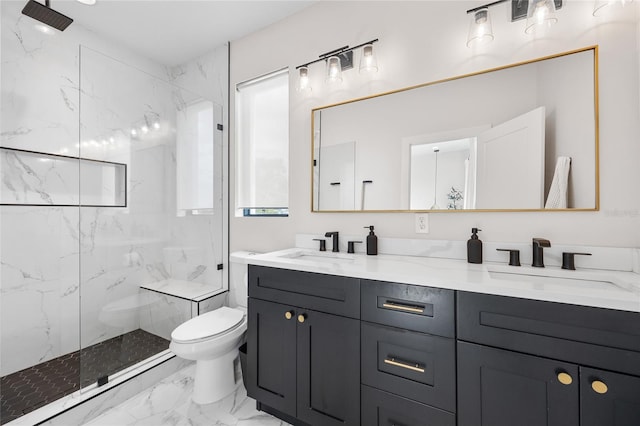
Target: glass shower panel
144	259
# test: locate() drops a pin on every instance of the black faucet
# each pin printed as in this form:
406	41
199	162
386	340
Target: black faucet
334	237
538	254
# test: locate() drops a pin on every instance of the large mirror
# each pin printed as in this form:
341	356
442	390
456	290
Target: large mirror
521	137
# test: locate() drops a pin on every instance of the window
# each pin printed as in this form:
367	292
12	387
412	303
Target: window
262	146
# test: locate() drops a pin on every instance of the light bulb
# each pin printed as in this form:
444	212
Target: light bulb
480	29
368	61
334	70
539	14
303	80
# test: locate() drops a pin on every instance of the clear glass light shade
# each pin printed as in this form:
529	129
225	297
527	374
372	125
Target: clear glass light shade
480	29
368	61
540	13
334	70
304	86
602	6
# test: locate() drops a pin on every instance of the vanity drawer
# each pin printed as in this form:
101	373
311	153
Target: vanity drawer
417	366
603	338
423	309
384	409
325	293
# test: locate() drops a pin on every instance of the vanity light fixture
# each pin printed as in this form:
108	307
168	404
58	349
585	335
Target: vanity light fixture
334	70
480	30
303	80
537	12
368	61
337	61
602	5
540	13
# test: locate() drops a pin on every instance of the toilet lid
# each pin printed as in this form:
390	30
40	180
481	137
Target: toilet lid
208	325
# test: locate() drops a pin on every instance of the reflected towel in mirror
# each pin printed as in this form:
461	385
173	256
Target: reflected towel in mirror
557	198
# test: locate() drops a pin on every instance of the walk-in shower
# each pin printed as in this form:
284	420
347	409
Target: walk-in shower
110	217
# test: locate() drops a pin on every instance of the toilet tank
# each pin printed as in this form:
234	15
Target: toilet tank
238	278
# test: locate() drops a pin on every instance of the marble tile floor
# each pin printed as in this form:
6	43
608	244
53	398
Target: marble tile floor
168	403
26	390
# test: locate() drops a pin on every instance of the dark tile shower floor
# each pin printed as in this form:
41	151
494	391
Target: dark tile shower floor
34	387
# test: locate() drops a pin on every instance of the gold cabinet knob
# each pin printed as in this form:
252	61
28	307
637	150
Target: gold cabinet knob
288	315
599	387
302	317
565	378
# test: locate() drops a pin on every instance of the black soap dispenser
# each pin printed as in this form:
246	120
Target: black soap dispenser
474	247
372	241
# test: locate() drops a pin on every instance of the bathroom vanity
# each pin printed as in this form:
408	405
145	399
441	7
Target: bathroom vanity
329	344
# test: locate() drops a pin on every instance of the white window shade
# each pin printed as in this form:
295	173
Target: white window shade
262	142
195	159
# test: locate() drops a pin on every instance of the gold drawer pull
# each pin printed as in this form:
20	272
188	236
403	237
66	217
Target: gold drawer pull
565	378
413	367
599	387
405	308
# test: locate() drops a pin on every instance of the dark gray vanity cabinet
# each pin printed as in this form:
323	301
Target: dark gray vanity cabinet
326	350
272	339
304	346
504	388
533	363
617	403
408	358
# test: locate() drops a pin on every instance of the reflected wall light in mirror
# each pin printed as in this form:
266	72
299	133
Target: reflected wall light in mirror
337	61
498	158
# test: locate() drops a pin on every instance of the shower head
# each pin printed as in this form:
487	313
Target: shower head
46	15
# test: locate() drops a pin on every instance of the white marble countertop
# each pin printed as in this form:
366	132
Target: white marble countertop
587	287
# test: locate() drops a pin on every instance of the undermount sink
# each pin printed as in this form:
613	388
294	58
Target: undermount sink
320	256
553	277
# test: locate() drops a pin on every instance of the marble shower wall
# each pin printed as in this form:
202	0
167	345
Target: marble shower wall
207	75
67	272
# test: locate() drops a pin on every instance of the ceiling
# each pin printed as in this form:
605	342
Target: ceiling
172	32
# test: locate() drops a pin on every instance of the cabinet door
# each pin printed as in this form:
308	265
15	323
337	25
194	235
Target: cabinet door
609	399
328	369
502	388
271	355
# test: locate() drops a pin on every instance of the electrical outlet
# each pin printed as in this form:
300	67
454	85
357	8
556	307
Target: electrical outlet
422	223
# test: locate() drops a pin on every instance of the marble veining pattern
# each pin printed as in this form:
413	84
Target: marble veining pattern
62	266
169	404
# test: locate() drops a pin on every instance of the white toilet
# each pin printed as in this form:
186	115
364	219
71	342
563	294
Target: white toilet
212	339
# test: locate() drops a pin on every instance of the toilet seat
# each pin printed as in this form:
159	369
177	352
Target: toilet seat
206	326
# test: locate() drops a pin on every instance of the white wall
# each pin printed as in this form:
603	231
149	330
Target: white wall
424	41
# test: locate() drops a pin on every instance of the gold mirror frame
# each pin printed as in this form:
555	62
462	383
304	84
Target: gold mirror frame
593	48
